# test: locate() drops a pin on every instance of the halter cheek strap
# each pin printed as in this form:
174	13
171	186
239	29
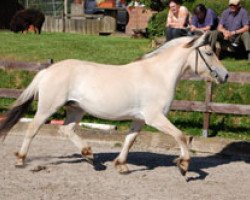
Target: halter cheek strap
213	73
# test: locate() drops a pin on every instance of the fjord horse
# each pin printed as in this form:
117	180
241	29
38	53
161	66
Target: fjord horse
141	91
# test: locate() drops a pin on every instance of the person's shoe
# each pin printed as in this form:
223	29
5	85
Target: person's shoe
234	44
248	56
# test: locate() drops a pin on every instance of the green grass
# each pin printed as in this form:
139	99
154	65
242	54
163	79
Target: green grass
122	50
60	46
236	65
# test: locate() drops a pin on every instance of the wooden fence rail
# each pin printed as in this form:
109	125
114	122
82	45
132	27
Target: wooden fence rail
85	24
207	106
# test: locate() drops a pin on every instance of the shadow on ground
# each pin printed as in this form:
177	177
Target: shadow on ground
234	152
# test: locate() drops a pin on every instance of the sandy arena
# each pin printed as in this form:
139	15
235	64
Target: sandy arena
55	170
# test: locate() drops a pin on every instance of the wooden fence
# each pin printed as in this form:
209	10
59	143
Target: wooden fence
207	106
85	24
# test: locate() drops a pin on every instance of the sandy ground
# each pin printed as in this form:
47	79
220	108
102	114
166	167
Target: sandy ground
55	170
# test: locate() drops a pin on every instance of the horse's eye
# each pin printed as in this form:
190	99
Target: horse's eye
209	53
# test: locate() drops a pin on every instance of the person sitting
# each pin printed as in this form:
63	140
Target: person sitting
204	19
233	27
177	20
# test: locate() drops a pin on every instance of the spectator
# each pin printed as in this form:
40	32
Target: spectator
204	19
233	27
177	20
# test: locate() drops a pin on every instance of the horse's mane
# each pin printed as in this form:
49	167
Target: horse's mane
166	45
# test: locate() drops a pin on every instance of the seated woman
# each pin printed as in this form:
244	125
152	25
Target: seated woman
177	20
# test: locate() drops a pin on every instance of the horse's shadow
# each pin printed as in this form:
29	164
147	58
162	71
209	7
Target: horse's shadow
149	161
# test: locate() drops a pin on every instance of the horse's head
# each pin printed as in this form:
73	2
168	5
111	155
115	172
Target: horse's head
203	61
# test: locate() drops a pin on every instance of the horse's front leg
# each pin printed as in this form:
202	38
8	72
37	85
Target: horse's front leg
161	123
69	131
121	160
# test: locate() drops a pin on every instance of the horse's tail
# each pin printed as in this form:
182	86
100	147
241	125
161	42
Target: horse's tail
20	106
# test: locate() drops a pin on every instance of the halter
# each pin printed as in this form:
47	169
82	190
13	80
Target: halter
213	73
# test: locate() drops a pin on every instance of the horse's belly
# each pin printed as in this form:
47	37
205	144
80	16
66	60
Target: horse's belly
112	110
107	96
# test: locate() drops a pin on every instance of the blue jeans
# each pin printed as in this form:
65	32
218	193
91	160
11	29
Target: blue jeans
172	33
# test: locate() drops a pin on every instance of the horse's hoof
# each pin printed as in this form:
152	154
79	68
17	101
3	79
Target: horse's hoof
126	172
19	166
122	168
182	165
19	161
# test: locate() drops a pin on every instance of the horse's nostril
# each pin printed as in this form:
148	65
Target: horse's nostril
226	77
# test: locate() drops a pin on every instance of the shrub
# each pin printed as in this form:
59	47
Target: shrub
156	25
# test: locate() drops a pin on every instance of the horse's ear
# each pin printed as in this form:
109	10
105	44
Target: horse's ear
198	41
191	43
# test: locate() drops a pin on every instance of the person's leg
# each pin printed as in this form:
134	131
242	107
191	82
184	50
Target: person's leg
169	33
213	37
179	32
245	37
216	39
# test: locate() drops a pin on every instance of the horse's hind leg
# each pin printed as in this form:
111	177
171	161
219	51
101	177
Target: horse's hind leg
163	124
74	115
46	107
120	161
32	130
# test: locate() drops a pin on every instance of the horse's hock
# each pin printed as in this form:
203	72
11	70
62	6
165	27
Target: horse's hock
92	24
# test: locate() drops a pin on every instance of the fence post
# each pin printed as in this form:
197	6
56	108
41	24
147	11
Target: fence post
206	115
65	14
50	61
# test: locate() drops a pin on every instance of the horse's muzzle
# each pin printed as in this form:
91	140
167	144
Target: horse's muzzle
219	74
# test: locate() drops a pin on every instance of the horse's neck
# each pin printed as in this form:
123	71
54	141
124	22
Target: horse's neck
171	66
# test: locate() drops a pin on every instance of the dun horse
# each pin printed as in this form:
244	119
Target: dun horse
140	91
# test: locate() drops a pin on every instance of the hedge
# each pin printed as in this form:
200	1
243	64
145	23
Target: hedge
157	23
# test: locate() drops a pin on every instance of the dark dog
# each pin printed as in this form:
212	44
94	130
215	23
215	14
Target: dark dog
27	20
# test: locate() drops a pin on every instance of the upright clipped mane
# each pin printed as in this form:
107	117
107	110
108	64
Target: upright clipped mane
166	45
